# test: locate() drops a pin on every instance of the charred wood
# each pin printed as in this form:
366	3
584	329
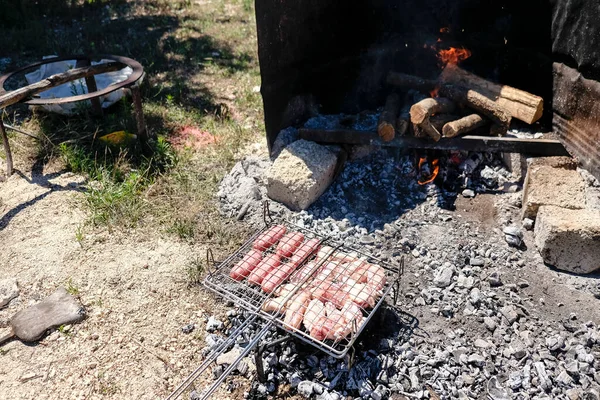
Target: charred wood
518	103
386	127
406	81
463	125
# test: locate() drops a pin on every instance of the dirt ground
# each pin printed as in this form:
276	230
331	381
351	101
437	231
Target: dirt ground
133	287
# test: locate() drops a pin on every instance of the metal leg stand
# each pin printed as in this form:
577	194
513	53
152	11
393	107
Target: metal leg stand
139	113
9	161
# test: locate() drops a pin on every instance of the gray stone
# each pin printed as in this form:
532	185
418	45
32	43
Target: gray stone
443	276
468	193
568	239
9	289
555	343
489	323
367	240
212	340
477	360
306	388
509	313
477	262
543	378
495	391
527	223
513	231
301	173
494	279
513	240
564	379
482	344
229	357
213	324
475	296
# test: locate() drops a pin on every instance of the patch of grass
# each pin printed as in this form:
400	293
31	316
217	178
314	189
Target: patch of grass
79	236
72	289
195	271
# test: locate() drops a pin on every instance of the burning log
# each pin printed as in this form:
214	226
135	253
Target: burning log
386	128
479	102
463	125
518	103
401	80
421	112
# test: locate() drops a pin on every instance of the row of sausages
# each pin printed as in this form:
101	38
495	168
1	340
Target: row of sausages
272	269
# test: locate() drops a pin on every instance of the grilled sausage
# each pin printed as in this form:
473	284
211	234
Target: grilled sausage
277	277
246	265
269	238
289	243
307	248
262	270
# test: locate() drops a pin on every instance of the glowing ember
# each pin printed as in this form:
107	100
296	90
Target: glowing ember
425	175
444	30
434	92
453	55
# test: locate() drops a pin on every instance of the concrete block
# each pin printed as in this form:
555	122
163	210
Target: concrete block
301	173
546	185
569	239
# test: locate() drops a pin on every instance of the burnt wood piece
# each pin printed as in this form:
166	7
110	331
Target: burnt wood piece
533	147
386	127
518	103
56	80
421	111
463	125
411	82
479	102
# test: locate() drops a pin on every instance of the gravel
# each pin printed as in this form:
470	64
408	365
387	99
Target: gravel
465	281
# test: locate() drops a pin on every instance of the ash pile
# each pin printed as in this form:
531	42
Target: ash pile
480	314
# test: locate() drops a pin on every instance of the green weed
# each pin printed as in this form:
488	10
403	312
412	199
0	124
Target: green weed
71	288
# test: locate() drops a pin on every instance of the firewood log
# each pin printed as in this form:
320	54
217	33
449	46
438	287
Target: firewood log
386	127
479	102
518	103
463	125
439	120
406	81
425	108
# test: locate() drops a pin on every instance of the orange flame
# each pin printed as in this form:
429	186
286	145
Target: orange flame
434	92
444	29
434	172
453	55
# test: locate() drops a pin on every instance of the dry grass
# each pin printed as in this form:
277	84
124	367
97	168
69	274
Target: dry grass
201	64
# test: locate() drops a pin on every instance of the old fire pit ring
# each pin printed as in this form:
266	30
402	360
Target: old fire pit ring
131	83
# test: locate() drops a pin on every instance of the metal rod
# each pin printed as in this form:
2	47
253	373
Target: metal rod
211	357
12	128
206	394
9	160
534	147
92	87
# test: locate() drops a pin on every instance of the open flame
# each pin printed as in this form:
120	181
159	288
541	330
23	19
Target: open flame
426	174
453	55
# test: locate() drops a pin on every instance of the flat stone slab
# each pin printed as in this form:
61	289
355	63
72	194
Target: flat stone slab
547	185
569	239
8	291
301	173
60	308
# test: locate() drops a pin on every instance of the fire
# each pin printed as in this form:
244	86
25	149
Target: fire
425	179
434	92
453	55
444	29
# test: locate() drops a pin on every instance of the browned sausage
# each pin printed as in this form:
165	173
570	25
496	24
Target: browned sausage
262	270
289	243
305	250
269	238
246	265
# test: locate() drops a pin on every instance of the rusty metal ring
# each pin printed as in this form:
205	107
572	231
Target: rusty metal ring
138	72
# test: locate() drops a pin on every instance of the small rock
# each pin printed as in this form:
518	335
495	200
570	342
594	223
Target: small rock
213	324
468	193
482	344
513	231
555	343
477	360
367	240
496	391
295	379
528	224
443	276
475	296
9	290
305	388
188	328
509	313
564	379
489	323
523	284
27	376
229	357
495	280
544	381
477	262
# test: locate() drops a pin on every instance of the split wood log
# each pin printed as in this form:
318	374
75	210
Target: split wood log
479	102
425	108
518	103
426	128
56	80
463	125
386	127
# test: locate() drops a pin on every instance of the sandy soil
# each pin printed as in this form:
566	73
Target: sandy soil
133	287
